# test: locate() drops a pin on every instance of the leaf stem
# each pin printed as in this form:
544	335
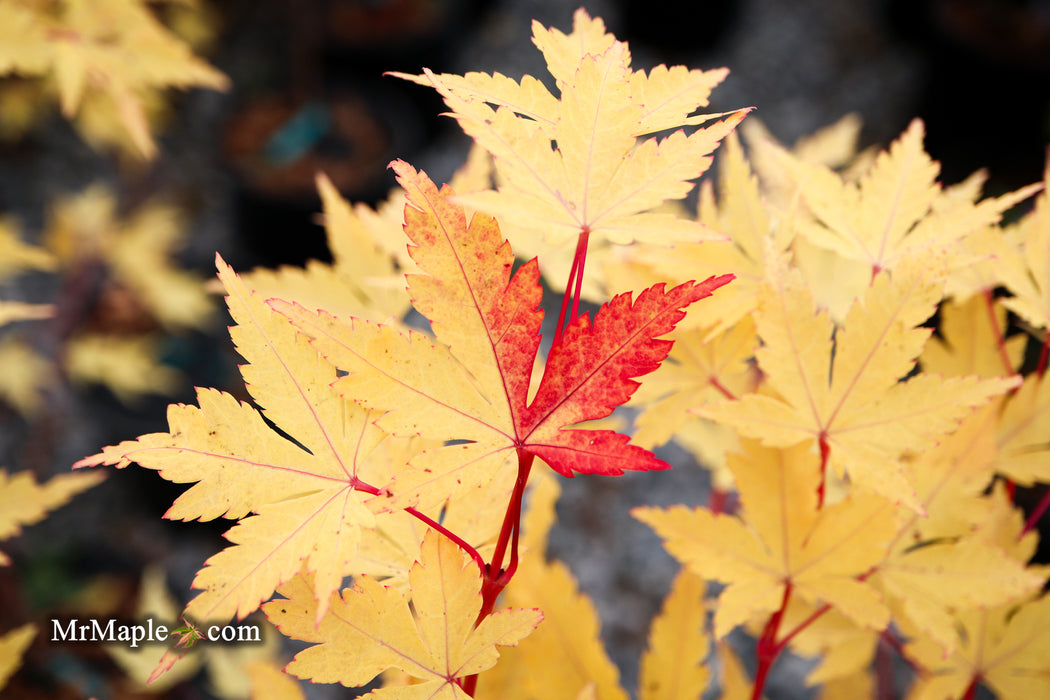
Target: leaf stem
494	577
768	648
574	285
971	690
721	388
359	485
825	453
989	303
1044	355
1036	515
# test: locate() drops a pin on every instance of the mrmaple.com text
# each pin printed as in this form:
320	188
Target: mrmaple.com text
132	635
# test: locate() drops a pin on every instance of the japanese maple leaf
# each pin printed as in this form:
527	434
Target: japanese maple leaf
473	385
23	501
371	628
783	538
1026	269
309	497
842	386
1004	648
896	211
598	178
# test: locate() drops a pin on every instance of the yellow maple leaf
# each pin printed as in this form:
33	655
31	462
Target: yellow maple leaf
782	539
125	364
17	256
896	211
1023	437
1004	648
1027	274
371	627
599	179
968	341
302	497
13	644
672	667
697	371
138	251
23	501
25	376
269	682
841	386
933	584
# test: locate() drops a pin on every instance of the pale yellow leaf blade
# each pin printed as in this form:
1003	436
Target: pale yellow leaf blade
16	255
967	343
1024	434
670	95
932	583
563	52
127	365
371	627
11	311
13	645
1029	282
23	38
672	667
268	682
23	501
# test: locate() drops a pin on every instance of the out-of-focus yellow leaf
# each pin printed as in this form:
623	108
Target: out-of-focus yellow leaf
127	365
968	342
1028	277
673	667
16	256
13	645
271	683
23	501
20	311
24	375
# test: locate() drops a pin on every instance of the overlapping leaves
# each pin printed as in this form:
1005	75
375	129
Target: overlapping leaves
474	384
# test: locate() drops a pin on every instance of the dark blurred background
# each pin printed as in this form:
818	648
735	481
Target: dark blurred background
977	71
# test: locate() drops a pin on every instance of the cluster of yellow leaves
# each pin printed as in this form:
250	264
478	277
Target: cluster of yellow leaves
108	62
124	266
863	449
866	450
334	500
